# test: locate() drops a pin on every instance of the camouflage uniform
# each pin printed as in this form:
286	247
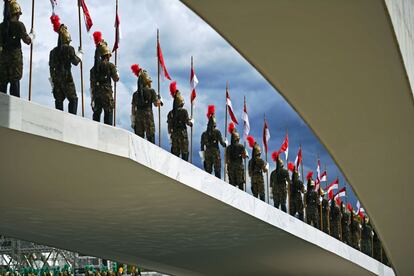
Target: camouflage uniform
296	204
235	169
11	57
257	166
177	121
209	144
377	247
366	238
325	215
355	235
61	59
346	234
312	209
102	95
335	220
142	101
279	179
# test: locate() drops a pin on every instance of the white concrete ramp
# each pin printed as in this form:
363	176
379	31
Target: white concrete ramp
71	183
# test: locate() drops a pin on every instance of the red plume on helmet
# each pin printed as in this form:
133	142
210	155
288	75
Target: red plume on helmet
349	207
135	69
275	155
231	128
173	88
309	175
55	22
251	141
291	166
210	111
97	37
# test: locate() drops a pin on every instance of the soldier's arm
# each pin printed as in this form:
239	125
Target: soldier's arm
264	168
75	60
155	99
133	106
23	34
202	142
188	120
114	73
220	138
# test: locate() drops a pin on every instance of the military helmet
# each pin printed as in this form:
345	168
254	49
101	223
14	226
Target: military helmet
15	8
64	34
257	151
103	48
178	100
146	78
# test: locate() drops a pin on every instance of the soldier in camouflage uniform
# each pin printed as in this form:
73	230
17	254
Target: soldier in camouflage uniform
377	247
366	237
355	234
178	120
142	117
210	140
325	213
345	222
257	166
312	206
102	73
296	204
235	154
12	32
61	59
279	181
335	220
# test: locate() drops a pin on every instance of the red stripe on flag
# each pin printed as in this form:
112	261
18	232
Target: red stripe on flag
86	15
230	108
161	60
117	23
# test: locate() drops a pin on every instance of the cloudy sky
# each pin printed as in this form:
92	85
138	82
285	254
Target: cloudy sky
182	34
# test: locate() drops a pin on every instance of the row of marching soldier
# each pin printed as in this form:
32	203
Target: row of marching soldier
329	215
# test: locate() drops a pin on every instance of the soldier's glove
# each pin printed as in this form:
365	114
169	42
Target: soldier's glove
169	139
191	122
32	36
247	153
226	142
202	155
132	121
51	82
267	166
79	54
161	101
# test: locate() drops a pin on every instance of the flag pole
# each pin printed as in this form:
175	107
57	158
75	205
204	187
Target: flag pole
305	216
116	56
245	159
159	91
267	173
31	53
192	114
225	132
289	182
81	63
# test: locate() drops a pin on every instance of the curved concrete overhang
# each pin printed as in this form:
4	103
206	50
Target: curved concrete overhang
71	183
339	64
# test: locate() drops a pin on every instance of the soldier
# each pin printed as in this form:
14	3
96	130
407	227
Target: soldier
142	117
178	120
346	235
61	59
279	181
257	166
235	153
101	87
377	247
366	237
355	235
312	199
325	212
296	206
210	140
12	32
335	220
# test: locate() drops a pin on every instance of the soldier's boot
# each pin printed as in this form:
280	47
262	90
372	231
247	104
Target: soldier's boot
151	138
185	156
59	105
73	106
262	196
108	117
15	88
283	207
217	173
3	88
96	116
301	216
